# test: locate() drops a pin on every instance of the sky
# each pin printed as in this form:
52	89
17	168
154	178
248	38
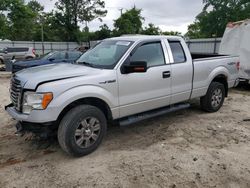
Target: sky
168	15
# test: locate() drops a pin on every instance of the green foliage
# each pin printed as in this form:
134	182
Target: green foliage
173	33
101	34
72	12
151	29
194	31
129	23
212	21
19	20
25	20
4	27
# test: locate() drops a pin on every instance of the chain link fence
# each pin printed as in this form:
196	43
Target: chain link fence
210	45
45	47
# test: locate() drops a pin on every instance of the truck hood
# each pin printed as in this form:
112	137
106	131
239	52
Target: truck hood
31	77
30	63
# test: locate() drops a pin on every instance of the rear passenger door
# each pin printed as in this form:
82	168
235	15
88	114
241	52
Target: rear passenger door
182	70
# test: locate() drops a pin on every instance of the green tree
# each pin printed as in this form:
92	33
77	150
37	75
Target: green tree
20	19
101	34
194	31
72	12
4	27
129	22
173	33
212	21
151	29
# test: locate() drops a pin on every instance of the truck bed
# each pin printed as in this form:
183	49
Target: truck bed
196	56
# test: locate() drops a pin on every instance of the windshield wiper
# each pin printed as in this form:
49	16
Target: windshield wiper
85	63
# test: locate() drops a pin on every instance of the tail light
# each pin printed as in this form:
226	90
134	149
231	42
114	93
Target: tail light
238	66
34	51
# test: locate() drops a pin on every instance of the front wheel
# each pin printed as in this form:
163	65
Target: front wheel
214	98
82	130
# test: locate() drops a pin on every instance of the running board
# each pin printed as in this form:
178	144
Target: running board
150	114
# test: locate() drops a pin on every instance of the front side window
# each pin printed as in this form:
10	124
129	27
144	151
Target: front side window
151	53
105	55
177	51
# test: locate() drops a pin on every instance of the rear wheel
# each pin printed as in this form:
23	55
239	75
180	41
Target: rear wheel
1	61
214	98
82	130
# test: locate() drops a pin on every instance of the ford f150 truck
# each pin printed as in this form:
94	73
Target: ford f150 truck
124	79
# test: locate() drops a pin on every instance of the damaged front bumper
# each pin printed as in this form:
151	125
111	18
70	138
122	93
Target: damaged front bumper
24	125
15	114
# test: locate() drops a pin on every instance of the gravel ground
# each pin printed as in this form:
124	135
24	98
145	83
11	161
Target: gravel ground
188	148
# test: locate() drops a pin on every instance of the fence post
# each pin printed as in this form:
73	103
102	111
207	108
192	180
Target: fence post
67	46
215	45
51	48
34	45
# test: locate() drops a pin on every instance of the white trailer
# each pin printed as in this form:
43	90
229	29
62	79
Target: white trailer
236	41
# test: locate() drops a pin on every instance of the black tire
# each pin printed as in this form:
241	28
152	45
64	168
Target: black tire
70	126
212	102
1	61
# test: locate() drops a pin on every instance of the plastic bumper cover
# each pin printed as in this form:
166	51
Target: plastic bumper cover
36	116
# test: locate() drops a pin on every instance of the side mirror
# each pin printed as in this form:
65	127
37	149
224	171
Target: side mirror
5	51
51	59
135	66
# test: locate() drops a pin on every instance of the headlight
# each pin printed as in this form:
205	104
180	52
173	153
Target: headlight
37	101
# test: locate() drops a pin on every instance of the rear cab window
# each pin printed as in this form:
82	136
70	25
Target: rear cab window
177	51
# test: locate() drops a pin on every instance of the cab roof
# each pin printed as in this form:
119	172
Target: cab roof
135	38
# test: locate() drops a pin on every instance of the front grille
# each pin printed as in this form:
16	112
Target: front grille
15	93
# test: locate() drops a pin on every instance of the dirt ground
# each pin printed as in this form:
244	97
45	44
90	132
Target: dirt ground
189	148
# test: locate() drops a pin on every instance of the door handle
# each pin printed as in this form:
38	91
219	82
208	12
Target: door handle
166	74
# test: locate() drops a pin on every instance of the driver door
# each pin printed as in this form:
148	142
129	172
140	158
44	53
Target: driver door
139	92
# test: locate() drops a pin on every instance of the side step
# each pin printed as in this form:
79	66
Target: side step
153	113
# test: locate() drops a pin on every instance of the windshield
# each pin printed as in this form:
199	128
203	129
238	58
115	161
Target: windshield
105	55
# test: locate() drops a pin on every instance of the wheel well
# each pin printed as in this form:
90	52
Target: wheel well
223	80
99	103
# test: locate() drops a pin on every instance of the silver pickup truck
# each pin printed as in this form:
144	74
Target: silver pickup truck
124	80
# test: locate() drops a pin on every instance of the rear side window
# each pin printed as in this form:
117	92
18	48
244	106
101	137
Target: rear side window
10	50
58	55
177	51
152	53
74	55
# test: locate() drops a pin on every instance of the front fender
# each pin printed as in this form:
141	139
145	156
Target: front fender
73	94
